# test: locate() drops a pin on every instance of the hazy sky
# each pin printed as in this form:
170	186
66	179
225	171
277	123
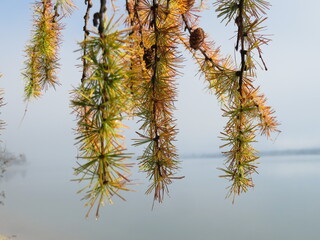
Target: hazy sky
291	85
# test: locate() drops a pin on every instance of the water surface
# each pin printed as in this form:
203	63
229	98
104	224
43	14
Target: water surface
41	204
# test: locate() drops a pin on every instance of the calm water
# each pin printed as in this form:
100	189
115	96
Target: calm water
41	204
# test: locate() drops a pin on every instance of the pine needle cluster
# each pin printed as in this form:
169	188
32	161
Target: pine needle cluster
100	103
246	108
41	65
42	62
156	41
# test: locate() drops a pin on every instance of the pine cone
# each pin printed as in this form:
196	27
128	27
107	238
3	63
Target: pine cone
196	38
148	57
96	18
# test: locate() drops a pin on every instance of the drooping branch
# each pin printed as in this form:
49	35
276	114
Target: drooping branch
99	103
157	27
246	110
42	51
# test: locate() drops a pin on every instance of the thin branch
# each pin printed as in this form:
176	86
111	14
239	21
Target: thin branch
86	35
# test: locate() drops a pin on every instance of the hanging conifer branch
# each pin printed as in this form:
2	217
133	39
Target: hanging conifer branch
246	106
159	160
242	103
136	49
99	103
42	52
218	71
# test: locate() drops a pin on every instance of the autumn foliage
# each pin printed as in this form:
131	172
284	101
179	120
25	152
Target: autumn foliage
130	68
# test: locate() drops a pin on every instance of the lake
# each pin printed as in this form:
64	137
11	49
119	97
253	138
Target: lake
41	204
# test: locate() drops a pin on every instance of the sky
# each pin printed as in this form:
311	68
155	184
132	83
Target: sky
291	85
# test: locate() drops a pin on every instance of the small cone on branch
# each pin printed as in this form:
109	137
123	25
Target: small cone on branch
148	57
196	38
96	18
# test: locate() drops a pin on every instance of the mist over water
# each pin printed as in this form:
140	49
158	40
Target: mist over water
41	203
